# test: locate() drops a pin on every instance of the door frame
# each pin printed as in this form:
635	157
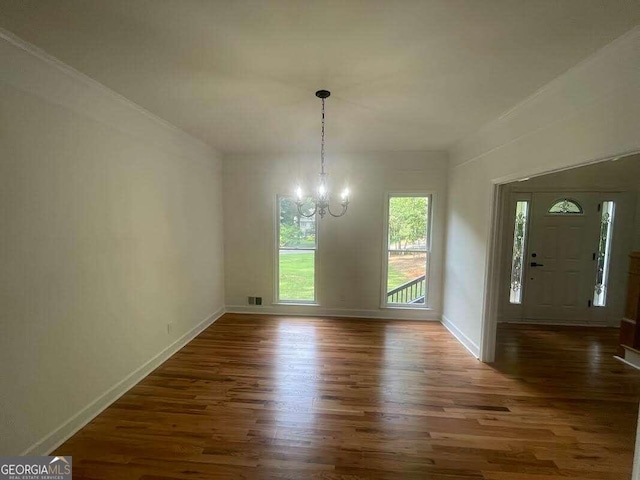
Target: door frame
496	248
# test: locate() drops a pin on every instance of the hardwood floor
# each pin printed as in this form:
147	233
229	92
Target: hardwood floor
303	398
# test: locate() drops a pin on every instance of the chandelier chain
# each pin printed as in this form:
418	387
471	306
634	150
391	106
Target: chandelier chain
322	144
320	202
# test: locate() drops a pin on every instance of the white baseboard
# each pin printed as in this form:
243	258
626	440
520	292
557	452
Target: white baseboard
318	311
461	337
627	362
61	434
631	357
558	322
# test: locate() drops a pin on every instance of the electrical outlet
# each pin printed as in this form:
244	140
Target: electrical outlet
258	300
251	300
169	328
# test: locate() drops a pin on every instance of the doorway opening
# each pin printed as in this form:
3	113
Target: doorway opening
560	248
563	292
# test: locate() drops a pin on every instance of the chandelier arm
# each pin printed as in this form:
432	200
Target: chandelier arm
345	205
315	209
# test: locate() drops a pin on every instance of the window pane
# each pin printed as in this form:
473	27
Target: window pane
297	273
408	222
407	253
296	231
406	277
604	254
565	206
517	258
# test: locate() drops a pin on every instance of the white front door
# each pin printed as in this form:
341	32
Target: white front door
560	258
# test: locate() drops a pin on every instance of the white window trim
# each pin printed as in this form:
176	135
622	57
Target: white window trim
276	290
385	250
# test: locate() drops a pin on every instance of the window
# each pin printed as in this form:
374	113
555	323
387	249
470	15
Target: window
565	206
519	246
297	244
604	254
408	249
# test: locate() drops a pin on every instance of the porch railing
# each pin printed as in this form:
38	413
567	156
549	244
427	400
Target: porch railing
410	292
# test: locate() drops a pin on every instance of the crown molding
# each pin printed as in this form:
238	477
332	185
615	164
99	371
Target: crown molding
546	90
58	64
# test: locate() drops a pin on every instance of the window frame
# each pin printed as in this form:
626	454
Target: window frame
277	299
431	195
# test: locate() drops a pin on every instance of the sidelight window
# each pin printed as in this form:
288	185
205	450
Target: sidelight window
519	246
603	258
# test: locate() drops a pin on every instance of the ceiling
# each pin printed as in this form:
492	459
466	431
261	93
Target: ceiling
241	75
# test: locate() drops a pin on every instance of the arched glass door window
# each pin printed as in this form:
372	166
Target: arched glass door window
566	206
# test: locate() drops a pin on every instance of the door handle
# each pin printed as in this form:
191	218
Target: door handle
535	264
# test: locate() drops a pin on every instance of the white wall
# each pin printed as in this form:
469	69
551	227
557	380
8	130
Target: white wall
591	112
350	251
111	228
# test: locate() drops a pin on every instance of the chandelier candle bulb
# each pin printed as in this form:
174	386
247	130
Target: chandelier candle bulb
321	202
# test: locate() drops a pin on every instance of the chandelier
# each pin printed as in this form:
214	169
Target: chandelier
323	197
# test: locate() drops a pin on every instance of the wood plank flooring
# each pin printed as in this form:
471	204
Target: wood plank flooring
302	398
